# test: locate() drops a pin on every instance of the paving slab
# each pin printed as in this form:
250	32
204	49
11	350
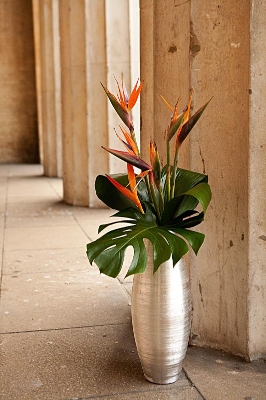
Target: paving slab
2	235
46	237
57	185
2	205
3	185
90	220
35	206
182	393
17	262
97	362
4	170
40	220
128	287
61	300
219	376
2	221
24	170
30	186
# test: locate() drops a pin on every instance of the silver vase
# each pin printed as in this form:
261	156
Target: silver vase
161	317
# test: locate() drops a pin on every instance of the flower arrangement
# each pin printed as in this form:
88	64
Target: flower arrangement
159	203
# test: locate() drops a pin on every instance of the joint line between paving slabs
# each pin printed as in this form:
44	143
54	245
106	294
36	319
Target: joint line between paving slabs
63	329
74	217
100	396
192	384
57	194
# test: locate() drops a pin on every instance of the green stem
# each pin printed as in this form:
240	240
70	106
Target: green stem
161	202
168	153
174	174
155	202
149	188
168	183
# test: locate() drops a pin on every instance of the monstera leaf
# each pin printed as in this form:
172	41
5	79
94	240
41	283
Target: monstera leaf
168	240
108	251
169	234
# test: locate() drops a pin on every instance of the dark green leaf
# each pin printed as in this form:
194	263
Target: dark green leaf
202	193
195	239
111	196
187	203
186	180
139	260
108	251
186	223
178	246
186	196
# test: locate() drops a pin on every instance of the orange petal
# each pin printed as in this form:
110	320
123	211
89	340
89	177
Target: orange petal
152	152
134	95
121	97
143	174
130	141
186	116
131	178
175	112
166	102
126	192
127	146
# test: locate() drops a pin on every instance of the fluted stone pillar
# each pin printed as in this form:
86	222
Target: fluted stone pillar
83	100
257	185
51	88
220	147
227	60
164	54
228	277
37	51
74	102
134	36
96	97
118	61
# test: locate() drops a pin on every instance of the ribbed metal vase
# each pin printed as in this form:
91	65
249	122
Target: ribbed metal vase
161	316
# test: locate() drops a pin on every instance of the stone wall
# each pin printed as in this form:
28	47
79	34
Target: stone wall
18	108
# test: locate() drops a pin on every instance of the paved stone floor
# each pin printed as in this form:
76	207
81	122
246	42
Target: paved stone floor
65	330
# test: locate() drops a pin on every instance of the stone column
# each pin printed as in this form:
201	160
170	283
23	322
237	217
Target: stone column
83	101
134	32
37	51
74	101
257	185
51	88
96	97
118	61
164	54
228	283
227	59
57	87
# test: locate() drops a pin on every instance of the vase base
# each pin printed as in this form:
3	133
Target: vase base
162	381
